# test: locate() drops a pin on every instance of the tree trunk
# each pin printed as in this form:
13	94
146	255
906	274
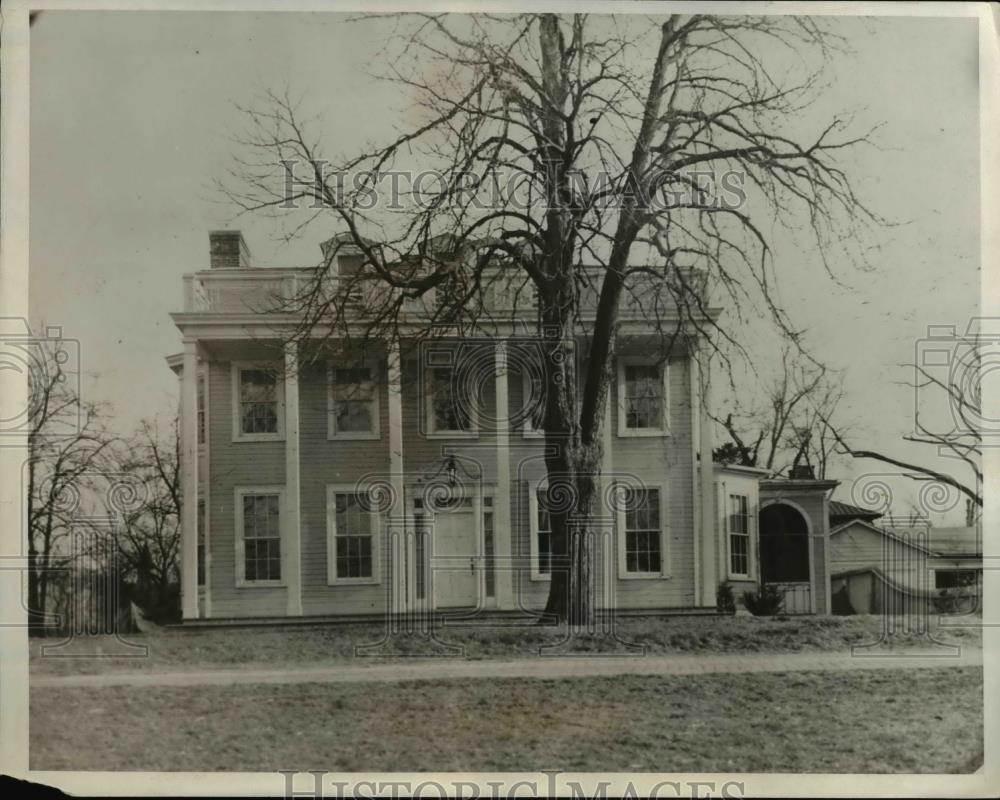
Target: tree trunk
574	450
35	611
574	472
571	591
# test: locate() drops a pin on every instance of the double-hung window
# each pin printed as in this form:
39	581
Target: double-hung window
451	404
259	403
739	535
642	404
643	533
258	532
352	540
354	412
533	392
541	534
489	548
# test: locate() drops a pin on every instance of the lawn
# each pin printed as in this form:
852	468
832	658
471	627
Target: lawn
923	720
274	646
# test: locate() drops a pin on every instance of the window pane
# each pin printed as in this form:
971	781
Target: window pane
258	401
262	537
258	386
739	518
488	552
450	404
420	556
642	532
544	552
351	416
353	406
248	514
544	535
739	550
643	396
533	387
353	541
954	578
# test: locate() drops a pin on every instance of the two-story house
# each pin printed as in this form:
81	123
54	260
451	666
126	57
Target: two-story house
368	478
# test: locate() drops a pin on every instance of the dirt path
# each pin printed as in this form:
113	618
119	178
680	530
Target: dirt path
568	667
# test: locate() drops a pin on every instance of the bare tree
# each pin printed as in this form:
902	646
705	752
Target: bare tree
147	532
962	442
814	438
67	445
610	127
791	428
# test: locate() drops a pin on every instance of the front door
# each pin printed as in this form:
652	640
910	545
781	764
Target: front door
454	566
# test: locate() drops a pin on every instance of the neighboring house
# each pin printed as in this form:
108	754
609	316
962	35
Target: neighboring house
363	481
902	569
844	512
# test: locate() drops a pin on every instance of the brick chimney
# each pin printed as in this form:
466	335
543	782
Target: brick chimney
227	250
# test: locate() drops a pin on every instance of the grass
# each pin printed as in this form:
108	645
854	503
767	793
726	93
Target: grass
263	646
887	721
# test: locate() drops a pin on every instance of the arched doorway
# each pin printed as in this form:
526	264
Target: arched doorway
784	555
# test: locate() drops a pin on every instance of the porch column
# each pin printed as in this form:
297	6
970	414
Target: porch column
710	532
822	594
293	500
189	481
607	569
396	571
502	539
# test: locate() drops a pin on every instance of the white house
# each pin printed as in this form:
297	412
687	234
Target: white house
390	478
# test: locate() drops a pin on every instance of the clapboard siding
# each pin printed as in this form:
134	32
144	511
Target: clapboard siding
665	460
729	483
655	460
235	464
859	547
340	462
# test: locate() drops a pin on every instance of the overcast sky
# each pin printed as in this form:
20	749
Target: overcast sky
131	114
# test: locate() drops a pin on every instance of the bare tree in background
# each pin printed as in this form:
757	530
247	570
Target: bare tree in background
791	428
68	445
147	534
962	442
560	103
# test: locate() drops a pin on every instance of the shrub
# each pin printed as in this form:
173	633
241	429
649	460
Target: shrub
766	602
725	603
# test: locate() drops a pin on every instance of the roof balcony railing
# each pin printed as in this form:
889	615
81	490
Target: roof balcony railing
266	291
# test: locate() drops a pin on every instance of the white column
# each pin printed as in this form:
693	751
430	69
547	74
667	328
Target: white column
502	539
710	552
189	481
396	514
609	546
205	458
293	499
694	395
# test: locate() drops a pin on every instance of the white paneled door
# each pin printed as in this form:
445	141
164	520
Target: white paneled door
455	564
